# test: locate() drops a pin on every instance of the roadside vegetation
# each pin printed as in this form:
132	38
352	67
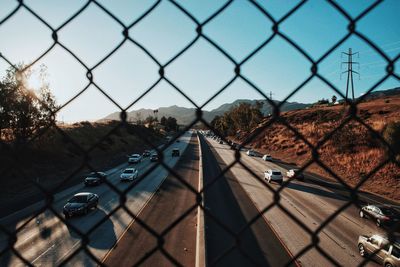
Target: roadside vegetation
244	117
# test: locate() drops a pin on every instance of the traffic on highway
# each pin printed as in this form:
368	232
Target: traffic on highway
91	209
295	228
310	212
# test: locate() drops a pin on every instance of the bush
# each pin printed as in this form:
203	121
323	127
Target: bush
391	134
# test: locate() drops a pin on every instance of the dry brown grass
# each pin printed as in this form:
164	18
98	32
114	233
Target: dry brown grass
351	153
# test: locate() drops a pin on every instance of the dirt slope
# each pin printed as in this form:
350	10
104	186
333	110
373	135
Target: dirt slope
352	152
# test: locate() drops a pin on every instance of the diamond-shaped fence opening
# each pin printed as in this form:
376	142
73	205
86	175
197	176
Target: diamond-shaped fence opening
351	126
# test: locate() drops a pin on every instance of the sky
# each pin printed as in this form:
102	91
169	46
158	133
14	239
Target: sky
202	70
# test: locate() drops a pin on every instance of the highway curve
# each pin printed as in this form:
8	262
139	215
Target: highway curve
228	207
139	246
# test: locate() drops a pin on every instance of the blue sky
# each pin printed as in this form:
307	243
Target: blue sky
202	70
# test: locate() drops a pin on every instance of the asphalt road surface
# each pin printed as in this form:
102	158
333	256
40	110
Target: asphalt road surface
44	240
230	240
163	215
311	205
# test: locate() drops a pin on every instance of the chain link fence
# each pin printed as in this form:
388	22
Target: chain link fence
276	117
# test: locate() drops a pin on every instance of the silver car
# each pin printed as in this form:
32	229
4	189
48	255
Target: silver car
380	249
273	175
267	157
134	158
129	174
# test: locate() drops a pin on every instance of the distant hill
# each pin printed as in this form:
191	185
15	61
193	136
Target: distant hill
187	115
378	94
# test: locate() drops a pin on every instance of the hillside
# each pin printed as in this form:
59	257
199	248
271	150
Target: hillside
351	152
187	115
54	160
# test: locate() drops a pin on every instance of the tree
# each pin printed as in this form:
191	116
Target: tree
24	111
139	118
243	117
334	99
163	121
171	124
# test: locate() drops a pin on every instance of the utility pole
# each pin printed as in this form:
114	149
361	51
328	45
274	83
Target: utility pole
350	72
270	95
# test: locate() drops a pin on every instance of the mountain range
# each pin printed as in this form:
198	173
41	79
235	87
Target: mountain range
185	116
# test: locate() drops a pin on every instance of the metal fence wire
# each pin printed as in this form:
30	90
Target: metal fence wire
237	75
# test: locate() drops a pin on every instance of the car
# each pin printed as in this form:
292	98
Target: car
175	152
221	142
146	153
267	157
154	157
251	153
381	249
129	174
80	203
294	173
273	176
134	158
95	178
381	214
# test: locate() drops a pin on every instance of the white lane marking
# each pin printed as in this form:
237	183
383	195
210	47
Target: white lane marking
45	252
146	202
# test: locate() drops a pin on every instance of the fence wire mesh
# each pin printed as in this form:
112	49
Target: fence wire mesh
276	117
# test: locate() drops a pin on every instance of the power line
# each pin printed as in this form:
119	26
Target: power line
350	72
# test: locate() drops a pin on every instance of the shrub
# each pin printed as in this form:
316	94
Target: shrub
391	134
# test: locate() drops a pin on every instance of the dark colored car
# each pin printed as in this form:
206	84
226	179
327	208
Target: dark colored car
95	178
154	157
146	153
80	203
381	214
175	152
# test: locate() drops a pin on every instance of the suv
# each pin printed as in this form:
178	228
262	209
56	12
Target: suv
175	152
274	176
381	250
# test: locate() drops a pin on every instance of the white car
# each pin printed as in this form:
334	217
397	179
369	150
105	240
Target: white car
267	157
251	153
273	176
295	173
134	158
129	174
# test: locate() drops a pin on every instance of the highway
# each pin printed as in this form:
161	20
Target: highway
311	204
44	240
230	203
229	210
163	215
